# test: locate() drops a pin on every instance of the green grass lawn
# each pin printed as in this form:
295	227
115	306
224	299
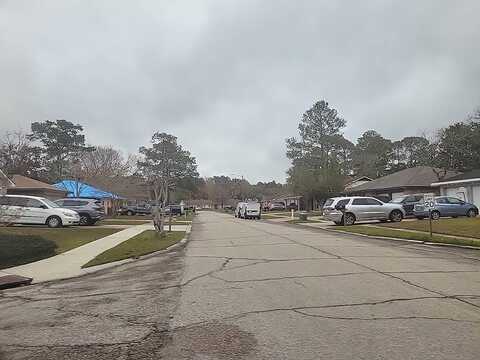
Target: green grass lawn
144	243
270	216
298	221
467	227
394	233
133	217
22	245
179	222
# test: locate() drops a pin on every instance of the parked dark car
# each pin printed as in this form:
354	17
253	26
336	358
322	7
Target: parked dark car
408	202
446	206
292	206
135	210
90	210
173	210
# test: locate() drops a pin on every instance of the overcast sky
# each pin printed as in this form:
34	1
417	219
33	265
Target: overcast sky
231	78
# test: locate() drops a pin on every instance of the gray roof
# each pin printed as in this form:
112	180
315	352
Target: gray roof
420	176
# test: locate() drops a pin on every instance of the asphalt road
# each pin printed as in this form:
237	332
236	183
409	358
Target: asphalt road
254	290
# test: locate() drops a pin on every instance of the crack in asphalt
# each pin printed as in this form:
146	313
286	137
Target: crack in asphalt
385	318
317	307
242	245
366	267
146	290
289	277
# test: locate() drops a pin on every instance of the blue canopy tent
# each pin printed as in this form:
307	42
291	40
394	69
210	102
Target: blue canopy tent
79	189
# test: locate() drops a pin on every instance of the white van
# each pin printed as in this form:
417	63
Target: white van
238	209
251	210
21	209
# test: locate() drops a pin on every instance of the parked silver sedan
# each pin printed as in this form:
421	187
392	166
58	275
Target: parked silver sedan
348	210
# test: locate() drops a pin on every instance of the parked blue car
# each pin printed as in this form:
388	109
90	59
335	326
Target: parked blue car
446	206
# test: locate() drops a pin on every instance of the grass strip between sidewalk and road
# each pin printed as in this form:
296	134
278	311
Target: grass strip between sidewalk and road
142	244
464	227
271	216
22	245
409	235
298	221
123	222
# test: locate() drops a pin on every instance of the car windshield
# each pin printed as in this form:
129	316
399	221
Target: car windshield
50	203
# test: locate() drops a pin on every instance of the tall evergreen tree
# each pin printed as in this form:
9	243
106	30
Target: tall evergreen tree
321	156
61	143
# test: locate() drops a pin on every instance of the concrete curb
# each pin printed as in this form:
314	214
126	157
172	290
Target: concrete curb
376	237
400	239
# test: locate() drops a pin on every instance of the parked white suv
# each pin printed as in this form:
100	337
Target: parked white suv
251	210
21	209
348	210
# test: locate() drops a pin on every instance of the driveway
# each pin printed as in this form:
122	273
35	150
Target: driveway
253	290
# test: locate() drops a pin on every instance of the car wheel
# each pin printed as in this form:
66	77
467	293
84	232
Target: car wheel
130	213
396	216
471	213
435	215
85	220
54	222
348	219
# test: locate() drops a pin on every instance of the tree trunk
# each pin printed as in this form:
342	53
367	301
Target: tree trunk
159	220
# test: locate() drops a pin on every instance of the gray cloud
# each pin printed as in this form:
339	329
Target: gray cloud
232	78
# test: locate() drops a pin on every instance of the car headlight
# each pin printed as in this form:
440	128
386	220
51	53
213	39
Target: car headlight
67	214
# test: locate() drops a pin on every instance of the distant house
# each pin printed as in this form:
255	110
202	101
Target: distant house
80	189
292	201
132	188
26	186
75	188
356	181
408	181
463	186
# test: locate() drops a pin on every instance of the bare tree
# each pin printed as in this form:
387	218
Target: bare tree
7	215
18	156
105	161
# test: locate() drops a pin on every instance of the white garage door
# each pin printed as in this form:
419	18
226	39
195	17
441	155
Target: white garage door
457	192
476	195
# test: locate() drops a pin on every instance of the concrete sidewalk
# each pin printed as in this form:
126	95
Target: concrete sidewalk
69	264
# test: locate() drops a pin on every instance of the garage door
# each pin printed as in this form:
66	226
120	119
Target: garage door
457	192
476	195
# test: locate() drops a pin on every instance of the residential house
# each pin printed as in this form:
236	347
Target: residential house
353	182
133	189
76	188
463	186
26	186
416	180
292	201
